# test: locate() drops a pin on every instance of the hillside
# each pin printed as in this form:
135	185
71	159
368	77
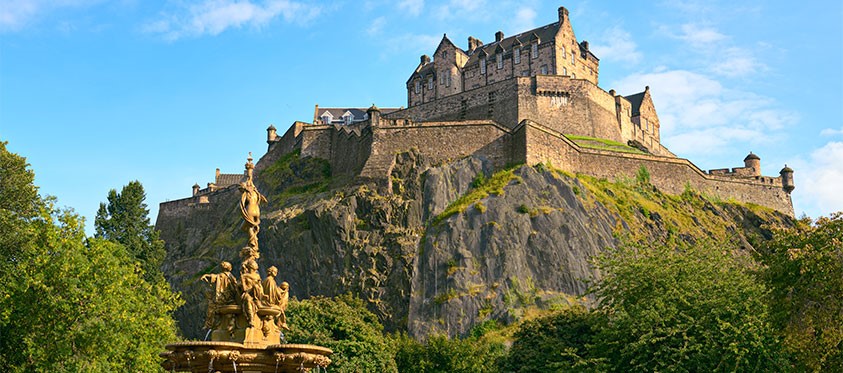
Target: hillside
449	246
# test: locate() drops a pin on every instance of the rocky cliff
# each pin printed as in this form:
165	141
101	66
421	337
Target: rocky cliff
449	245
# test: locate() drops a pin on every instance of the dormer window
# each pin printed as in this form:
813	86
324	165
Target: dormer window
534	51
517	55
418	86
326	118
430	82
483	65
500	60
347	118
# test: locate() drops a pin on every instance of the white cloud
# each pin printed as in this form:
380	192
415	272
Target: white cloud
413	7
16	15
832	132
699	36
697	113
615	44
734	62
819	181
212	17
466	10
412	43
525	19
376	26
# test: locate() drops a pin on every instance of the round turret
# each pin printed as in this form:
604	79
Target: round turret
271	134
754	162
195	189
787	179
374	115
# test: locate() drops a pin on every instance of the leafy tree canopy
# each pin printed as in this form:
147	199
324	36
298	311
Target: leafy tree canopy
804	270
70	303
125	220
344	325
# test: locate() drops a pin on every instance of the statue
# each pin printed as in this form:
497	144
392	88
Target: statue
224	286
250	201
277	297
252	297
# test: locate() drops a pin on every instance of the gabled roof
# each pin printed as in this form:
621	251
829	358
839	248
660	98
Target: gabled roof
359	113
544	33
636	101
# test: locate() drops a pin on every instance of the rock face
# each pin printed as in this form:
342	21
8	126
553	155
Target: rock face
448	247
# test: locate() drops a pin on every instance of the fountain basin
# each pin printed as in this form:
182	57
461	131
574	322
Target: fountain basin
225	357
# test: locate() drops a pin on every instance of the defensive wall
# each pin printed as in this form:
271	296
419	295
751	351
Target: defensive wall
367	150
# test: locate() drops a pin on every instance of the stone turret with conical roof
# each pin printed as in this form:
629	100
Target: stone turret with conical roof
787	179
753	161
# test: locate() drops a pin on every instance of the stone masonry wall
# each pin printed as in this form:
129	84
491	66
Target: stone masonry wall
670	175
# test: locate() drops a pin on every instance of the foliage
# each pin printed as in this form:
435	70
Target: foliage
558	342
19	205
603	144
642	176
347	327
292	175
442	354
481	187
804	270
71	304
125	220
683	308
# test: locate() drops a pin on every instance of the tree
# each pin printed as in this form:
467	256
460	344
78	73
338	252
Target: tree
561	342
125	220
442	354
683	307
804	270
344	325
71	303
19	204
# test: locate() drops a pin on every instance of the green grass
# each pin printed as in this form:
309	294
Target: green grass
482	187
602	144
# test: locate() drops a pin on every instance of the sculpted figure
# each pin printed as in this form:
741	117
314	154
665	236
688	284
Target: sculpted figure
276	296
252	296
224	289
250	201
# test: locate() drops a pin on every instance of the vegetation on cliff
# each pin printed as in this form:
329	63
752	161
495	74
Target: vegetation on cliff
70	303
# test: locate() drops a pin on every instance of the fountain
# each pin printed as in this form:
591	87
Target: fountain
246	317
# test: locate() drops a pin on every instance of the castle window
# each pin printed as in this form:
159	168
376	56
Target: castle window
418	86
444	54
573	58
326	119
517	55
500	60
563	53
544	69
525	73
483	65
448	81
573	75
430	82
534	53
565	71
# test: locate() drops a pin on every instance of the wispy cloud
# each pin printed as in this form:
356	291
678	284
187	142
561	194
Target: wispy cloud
697	113
525	19
820	179
414	7
832	132
212	17
463	9
376	26
15	15
615	44
699	36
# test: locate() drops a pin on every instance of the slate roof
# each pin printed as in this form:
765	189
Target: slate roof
636	100
544	33
359	113
225	180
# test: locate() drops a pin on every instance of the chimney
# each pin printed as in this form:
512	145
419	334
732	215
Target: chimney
563	15
473	43
499	36
425	59
585	45
217	177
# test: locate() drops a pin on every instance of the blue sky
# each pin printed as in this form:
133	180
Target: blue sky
98	93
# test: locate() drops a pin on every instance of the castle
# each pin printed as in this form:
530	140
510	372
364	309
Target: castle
529	98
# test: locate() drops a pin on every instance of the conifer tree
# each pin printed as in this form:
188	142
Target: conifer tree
125	220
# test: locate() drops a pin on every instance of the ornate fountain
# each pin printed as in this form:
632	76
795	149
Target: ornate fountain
246	317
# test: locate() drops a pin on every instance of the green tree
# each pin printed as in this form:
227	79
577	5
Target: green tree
560	342
19	205
442	354
72	304
344	325
125	220
804	270
683	307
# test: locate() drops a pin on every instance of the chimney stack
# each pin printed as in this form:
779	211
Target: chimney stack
499	36
425	59
563	15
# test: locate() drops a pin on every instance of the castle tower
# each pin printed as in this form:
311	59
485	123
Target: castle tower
374	115
787	179
271	134
754	162
195	189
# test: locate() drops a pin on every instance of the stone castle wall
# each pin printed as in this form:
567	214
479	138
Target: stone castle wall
670	175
